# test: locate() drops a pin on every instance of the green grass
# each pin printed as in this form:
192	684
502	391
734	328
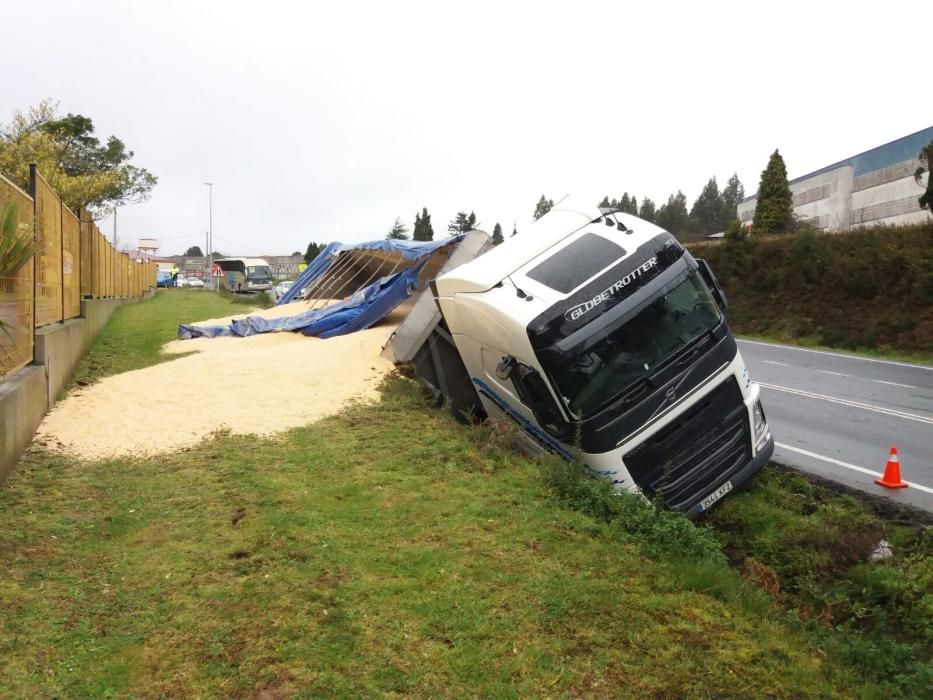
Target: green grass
262	300
385	551
809	548
135	334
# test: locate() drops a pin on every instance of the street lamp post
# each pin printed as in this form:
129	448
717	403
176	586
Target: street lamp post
210	235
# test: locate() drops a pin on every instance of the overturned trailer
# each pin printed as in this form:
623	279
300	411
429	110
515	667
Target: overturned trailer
345	289
597	334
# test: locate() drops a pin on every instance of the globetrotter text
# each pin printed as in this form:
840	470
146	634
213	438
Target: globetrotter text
580	309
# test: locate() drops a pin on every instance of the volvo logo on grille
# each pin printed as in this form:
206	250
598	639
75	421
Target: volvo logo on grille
670	394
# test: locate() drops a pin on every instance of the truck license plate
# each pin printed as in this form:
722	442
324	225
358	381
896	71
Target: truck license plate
716	495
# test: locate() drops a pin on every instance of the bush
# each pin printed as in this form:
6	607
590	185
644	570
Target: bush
861	288
664	533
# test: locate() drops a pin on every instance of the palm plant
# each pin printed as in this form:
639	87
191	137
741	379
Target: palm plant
926	154
16	249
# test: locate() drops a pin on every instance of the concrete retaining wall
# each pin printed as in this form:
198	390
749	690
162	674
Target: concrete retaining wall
26	395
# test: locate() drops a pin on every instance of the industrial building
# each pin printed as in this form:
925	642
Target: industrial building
874	187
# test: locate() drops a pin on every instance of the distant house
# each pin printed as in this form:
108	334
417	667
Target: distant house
874	187
148	246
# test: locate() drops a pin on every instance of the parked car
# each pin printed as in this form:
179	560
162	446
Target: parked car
279	290
163	279
195	282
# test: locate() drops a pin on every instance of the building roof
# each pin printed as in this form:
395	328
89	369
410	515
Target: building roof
897	151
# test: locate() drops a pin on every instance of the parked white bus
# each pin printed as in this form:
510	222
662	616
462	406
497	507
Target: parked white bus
246	274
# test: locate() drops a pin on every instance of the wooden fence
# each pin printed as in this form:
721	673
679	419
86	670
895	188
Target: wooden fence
73	261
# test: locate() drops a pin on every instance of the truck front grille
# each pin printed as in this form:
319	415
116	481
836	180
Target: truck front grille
686	460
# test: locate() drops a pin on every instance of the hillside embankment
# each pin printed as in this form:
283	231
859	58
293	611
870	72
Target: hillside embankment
867	289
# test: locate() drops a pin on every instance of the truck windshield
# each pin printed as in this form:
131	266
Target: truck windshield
634	350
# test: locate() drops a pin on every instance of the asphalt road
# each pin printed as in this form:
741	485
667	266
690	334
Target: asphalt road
838	415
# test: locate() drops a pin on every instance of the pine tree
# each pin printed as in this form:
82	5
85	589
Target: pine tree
633	206
314	249
497	234
423	230
926	156
647	210
774	211
672	216
462	223
604	204
544	206
732	194
398	231
707	209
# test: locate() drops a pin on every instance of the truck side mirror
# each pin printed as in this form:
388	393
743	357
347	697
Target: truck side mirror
706	272
534	393
505	367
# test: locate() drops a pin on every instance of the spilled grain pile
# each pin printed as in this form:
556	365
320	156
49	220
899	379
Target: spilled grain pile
261	384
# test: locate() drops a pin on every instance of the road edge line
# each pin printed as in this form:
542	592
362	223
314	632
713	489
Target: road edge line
846	465
835	354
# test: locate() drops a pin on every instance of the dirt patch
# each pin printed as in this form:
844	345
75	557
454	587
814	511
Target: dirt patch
261	384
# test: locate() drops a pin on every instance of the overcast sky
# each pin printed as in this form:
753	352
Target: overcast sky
325	121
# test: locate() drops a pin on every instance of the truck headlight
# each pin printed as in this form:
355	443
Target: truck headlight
758	420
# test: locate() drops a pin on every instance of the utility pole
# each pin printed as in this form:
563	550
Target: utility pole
210	234
207	250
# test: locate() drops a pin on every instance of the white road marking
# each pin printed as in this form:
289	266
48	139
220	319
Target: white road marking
853	404
835	354
906	386
835	374
846	465
779	364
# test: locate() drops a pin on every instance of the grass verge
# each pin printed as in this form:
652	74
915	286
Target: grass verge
262	300
811	550
387	550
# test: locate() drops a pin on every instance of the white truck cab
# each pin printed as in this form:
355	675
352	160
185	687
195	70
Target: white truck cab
597	332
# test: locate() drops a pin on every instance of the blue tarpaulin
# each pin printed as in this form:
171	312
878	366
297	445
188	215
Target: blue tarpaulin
354	313
362	309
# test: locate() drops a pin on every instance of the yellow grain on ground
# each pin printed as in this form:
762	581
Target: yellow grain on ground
261	384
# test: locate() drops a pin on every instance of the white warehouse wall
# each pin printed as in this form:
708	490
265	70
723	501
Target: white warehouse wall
874	187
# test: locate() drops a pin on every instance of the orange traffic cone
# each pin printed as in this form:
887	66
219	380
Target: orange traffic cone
892	473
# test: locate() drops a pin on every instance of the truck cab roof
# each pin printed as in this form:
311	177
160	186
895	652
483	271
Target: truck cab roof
532	260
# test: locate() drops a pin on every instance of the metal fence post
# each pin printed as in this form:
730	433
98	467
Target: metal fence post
35	237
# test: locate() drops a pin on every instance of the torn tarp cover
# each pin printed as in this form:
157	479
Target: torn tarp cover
410	250
354	313
315	269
